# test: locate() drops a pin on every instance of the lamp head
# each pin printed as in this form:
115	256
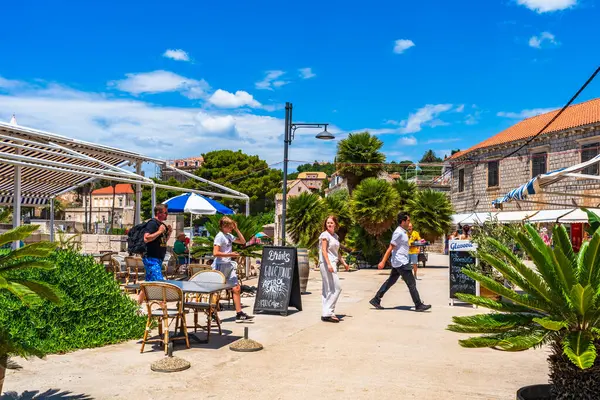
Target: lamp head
325	135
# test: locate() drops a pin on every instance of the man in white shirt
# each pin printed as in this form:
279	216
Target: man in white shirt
401	266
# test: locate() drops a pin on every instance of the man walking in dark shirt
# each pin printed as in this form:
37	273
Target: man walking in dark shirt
155	237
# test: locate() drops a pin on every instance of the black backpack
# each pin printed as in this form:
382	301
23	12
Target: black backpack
135	239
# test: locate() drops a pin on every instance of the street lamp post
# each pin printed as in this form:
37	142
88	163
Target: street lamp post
290	129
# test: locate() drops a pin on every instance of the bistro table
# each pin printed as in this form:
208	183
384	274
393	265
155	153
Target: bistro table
200	288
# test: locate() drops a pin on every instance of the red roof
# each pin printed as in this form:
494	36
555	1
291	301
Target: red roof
581	114
120	188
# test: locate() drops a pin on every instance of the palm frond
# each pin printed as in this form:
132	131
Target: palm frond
497	288
39	249
564	255
522	342
589	265
582	299
490	323
493	304
33	292
18	233
579	348
551	324
39	264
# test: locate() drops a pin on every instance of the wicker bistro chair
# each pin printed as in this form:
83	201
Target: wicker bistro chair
160	293
209	304
193	269
135	268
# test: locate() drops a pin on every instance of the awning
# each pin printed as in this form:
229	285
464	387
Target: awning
550	215
577	216
514	216
472	218
537	184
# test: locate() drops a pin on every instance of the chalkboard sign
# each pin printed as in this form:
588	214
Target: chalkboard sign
279	281
460	257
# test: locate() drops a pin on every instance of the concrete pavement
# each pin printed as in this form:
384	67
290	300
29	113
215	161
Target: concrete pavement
384	354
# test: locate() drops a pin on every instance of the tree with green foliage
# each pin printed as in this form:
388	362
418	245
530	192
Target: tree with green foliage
26	291
244	173
338	204
305	215
429	171
430	213
327	167
375	205
6	215
559	305
406	190
359	157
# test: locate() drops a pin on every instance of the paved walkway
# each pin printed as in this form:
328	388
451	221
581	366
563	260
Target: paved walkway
372	354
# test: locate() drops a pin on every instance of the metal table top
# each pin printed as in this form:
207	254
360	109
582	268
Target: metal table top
201	287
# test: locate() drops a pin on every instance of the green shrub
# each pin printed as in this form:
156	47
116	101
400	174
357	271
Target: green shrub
95	312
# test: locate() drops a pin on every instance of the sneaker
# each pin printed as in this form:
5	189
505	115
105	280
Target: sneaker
375	303
422	307
243	317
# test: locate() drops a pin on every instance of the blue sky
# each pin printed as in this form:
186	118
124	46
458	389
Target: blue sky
182	78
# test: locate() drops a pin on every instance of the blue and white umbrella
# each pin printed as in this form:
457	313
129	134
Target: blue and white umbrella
195	204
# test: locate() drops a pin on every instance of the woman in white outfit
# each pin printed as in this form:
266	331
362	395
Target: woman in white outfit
329	246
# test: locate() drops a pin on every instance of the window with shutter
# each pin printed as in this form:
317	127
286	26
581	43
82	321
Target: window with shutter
538	164
461	180
588	152
493	173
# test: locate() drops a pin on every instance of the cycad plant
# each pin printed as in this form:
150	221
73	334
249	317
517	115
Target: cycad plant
430	213
29	292
338	204
559	305
375	205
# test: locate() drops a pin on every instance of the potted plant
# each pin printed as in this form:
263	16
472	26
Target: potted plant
558	306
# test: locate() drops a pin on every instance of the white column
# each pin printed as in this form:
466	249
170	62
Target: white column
153	199
17	200
138	195
52	219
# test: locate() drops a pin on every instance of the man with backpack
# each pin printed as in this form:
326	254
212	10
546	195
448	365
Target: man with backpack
156	234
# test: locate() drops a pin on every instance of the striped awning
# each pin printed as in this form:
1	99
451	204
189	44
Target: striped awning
537	184
51	164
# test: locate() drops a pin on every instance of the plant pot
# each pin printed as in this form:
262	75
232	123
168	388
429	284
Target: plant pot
534	392
303	268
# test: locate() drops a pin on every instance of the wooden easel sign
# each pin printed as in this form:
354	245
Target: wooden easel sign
461	256
279	281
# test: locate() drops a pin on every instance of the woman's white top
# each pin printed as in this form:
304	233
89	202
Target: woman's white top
333	247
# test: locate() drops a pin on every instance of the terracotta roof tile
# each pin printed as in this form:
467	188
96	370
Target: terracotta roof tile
576	115
121	188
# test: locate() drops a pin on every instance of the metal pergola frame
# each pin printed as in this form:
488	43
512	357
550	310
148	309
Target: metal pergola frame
38	166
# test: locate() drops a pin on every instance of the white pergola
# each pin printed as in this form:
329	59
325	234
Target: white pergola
37	166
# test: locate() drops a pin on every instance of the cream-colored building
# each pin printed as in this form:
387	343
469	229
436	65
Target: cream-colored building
102	203
313	180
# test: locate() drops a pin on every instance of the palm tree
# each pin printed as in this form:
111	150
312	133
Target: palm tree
375	205
359	157
305	216
406	190
29	291
430	213
338	204
5	215
559	305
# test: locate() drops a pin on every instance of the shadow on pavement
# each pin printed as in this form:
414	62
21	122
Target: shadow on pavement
50	394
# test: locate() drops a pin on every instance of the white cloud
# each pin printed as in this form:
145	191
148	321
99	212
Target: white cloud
9	84
150	129
271	80
224	99
434	141
408	141
525	113
401	45
544	37
472	119
542	6
306	73
160	82
424	116
177	54
460	108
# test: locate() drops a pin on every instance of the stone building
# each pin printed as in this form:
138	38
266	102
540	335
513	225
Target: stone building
313	180
488	171
185	164
101	206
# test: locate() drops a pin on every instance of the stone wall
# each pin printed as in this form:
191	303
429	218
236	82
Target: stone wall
563	149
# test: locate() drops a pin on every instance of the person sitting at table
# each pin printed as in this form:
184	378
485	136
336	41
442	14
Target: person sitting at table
180	249
413	251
